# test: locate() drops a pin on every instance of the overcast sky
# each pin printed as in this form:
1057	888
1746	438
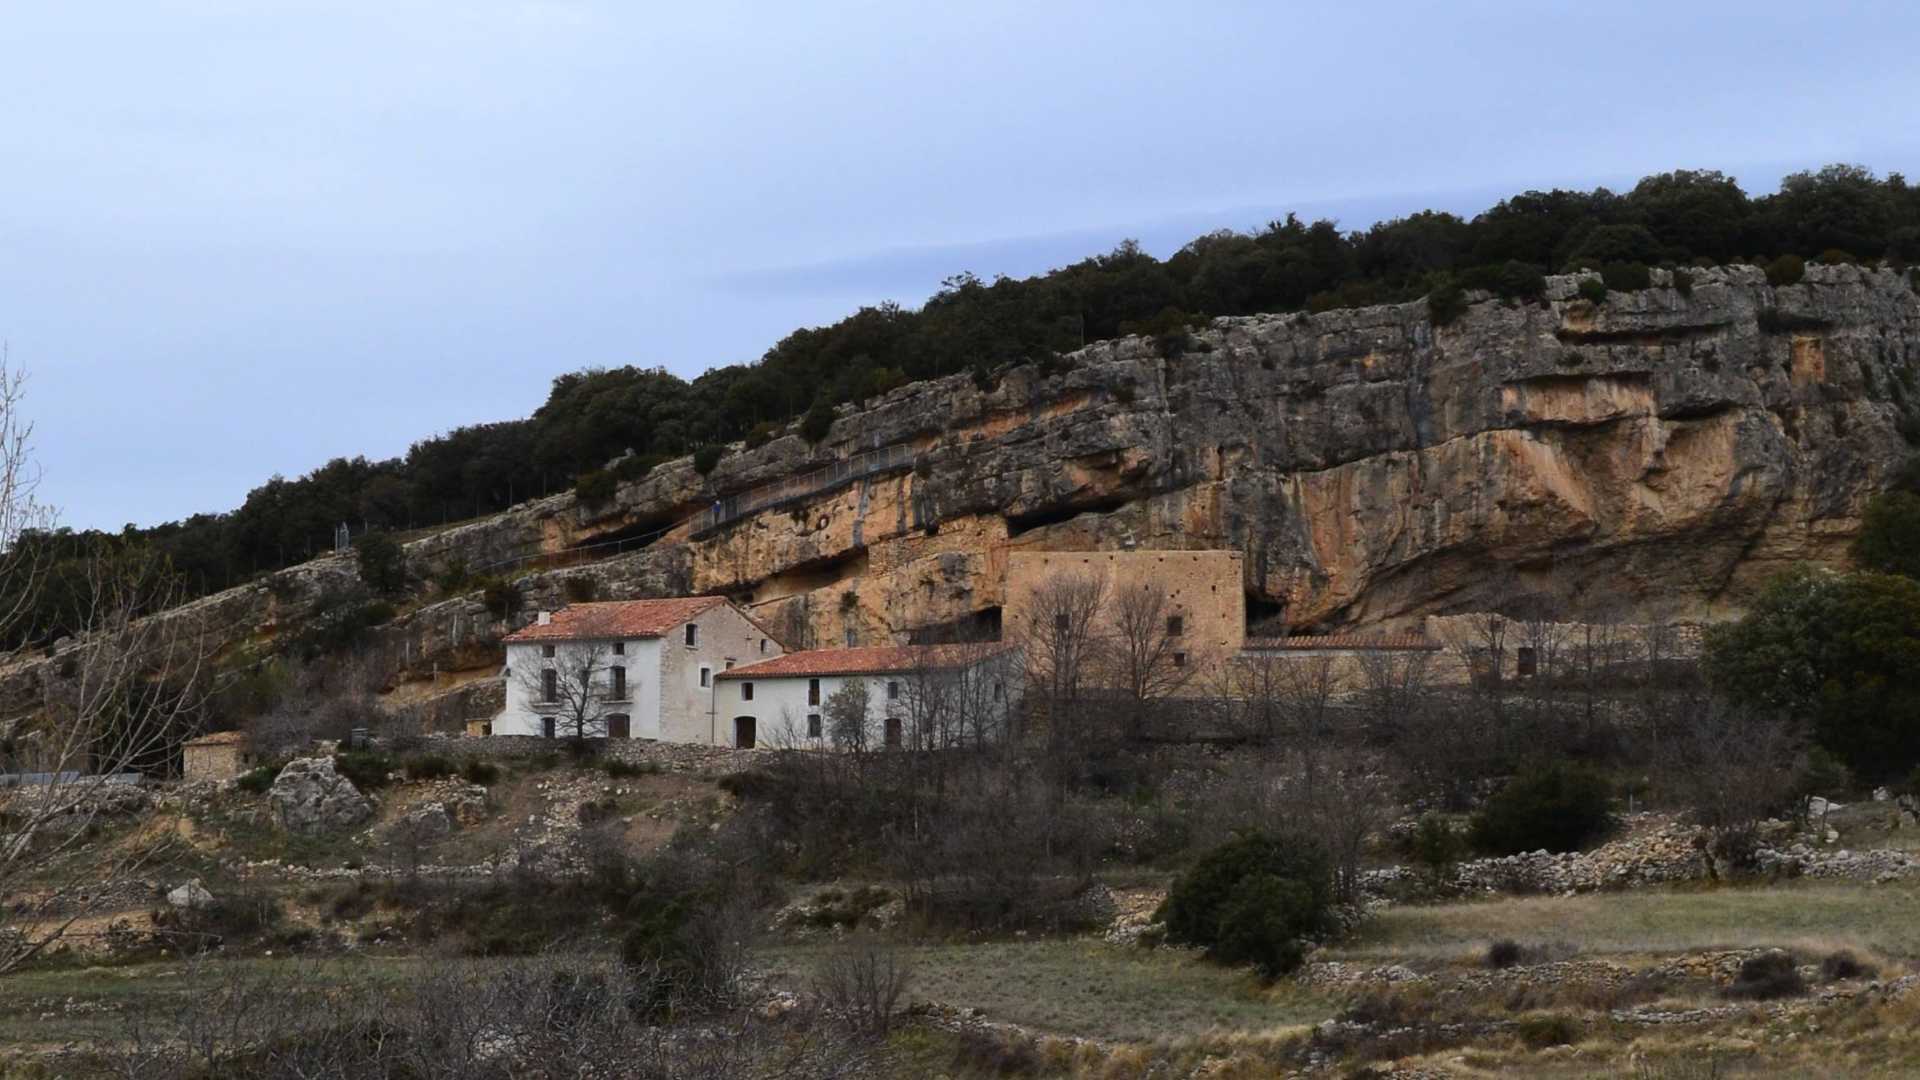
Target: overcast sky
240	238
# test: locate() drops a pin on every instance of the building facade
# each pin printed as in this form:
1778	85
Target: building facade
883	697
633	669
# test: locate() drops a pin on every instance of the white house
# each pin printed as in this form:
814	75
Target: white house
924	696
628	669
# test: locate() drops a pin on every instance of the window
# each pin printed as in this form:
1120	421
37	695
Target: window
1529	660
1176	625
999	691
693	635
746	691
619	675
893	733
546	727
813	725
813	691
852	638
763	646
619	648
729	664
893	691
1179	659
1060	622
546	650
549	685
706	676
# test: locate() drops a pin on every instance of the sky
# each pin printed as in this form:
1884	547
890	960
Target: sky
241	238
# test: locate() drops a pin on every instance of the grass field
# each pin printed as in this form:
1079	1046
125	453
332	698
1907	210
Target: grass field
1089	988
1811	916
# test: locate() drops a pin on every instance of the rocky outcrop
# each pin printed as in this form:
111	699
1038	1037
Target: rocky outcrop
310	798
1658	451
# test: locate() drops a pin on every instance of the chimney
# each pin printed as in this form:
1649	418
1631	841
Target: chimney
545	618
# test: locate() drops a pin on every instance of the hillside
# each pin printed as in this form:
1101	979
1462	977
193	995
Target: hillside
1657	451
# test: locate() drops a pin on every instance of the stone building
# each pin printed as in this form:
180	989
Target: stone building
631	669
918	696
219	756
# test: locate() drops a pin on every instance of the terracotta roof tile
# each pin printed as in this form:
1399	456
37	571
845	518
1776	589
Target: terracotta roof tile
870	660
617	619
1370	642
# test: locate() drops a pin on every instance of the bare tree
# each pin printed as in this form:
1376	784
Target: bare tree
1394	685
118	698
1063	647
1306	689
860	984
1149	657
1732	767
580	683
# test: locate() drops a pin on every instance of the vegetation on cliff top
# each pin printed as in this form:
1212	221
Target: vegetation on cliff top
593	416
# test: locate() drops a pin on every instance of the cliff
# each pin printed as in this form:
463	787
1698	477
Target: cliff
1658	453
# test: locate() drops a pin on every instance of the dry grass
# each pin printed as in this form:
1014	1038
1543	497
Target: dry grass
1093	990
1811	918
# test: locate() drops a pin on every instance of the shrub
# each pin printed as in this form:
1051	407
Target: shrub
383	565
1593	290
1558	808
1124	392
1889	536
1786	270
1254	899
595	488
818	423
1434	846
454	577
1627	276
1843	965
1446	303
634	467
580	590
1683	281
1516	280
1539	1032
1506	953
1836	257
622	770
763	433
1766	977
259	779
484	773
367	769
708	456
427	767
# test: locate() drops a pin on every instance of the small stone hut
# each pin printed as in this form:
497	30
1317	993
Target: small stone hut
219	756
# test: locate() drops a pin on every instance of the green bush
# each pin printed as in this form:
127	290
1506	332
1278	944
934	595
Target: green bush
367	769
1889	536
1434	847
383	565
1683	281
1786	270
1254	900
818	423
1593	290
1510	280
1836	257
1627	276
763	433
596	488
454	578
1446	303
1766	977
632	467
259	779
484	773
580	590
1540	1032
623	770
1557	808
427	767
708	456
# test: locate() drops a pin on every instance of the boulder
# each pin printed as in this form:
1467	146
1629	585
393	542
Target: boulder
422	825
191	895
310	798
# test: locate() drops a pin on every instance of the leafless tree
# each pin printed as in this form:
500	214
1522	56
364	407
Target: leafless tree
1395	683
1732	767
1149	657
582	689
1307	688
117	698
860	984
1063	645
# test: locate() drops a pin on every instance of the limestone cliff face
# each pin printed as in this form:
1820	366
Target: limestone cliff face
1658	450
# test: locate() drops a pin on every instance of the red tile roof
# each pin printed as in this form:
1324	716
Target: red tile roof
1342	641
617	619
871	660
